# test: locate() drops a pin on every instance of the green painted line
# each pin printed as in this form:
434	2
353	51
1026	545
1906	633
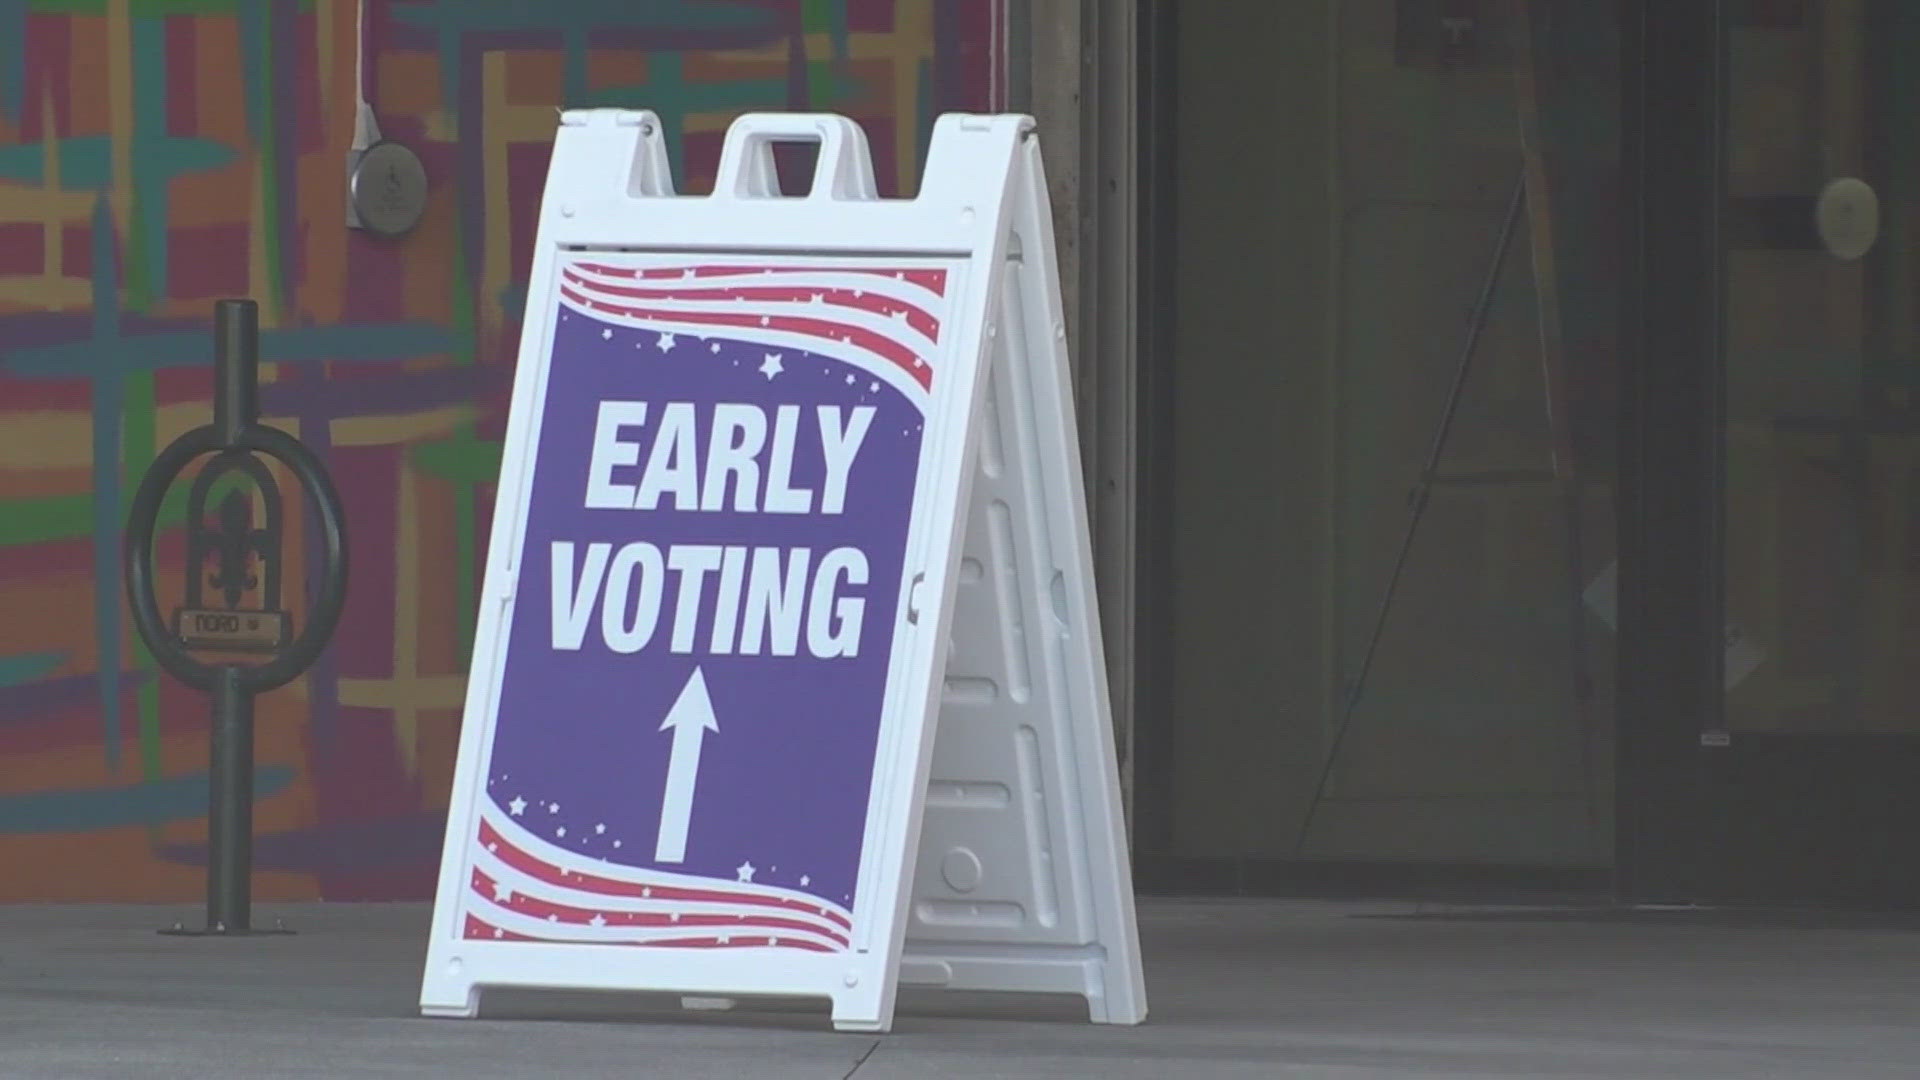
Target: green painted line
146	277
13	58
45	518
825	84
463	460
137	429
50	519
470	16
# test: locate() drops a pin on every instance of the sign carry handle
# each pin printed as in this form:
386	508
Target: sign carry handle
843	172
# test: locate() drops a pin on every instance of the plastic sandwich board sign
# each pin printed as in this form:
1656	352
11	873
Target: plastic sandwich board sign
787	678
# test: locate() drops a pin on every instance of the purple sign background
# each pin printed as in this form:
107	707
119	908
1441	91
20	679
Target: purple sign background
578	749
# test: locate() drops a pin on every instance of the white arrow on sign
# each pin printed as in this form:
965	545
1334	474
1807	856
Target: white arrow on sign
690	718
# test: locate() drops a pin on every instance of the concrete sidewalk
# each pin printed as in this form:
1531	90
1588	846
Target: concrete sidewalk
1237	990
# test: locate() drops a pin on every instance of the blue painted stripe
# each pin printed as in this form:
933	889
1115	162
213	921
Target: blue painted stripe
86	161
177	798
186	348
26	667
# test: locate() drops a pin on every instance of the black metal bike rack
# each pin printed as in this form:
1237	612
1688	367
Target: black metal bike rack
249	564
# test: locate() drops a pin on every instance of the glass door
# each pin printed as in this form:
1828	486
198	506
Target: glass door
1816	756
1779	747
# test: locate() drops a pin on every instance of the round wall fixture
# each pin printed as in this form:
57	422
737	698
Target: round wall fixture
388	189
1848	216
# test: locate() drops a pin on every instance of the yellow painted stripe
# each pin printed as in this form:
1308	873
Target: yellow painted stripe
426	692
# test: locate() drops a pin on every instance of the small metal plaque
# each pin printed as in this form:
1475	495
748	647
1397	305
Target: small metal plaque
387	190
232	631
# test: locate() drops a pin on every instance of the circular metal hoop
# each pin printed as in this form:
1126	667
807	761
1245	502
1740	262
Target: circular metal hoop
138	557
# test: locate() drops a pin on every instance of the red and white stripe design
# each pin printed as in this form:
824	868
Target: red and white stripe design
886	320
522	888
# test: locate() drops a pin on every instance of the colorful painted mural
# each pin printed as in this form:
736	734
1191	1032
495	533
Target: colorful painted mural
156	155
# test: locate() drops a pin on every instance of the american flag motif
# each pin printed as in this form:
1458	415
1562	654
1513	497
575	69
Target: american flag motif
856	314
522	888
863	333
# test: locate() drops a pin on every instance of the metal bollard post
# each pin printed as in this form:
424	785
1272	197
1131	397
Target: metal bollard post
245	558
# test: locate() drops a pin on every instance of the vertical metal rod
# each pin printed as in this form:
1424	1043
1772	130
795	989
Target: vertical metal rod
230	809
236	368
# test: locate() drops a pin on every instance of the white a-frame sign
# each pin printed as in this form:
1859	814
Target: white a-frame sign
788	676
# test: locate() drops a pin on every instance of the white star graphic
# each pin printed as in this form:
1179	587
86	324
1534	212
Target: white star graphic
715	347
597	921
849	380
606	334
518	806
646	892
873	388
806	879
561	831
497	933
493	847
745	871
599	829
900	314
819	298
726	939
553	808
771	941
666	342
687	274
616	843
771	366
502	893
675	917
765	320
553	918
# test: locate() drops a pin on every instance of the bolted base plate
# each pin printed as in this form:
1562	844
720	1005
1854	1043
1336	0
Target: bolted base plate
278	929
